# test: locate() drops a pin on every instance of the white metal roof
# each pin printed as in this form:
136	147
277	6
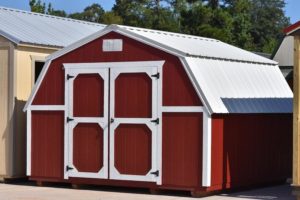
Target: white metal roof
233	87
199	46
226	78
285	53
39	29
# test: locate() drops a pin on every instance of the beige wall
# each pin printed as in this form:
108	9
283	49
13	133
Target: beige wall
24	58
6	114
16	82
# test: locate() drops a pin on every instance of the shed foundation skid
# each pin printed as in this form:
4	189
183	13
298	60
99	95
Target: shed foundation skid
117	110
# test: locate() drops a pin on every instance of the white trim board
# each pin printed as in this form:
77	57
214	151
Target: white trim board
206	154
28	145
184	109
47	107
128	65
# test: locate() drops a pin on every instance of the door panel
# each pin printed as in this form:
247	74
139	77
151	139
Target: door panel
133	128
87	123
88	147
127	103
133	149
88	92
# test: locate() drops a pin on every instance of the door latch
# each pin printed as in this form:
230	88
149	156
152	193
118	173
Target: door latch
156	173
156	121
112	120
68	168
156	75
69	119
69	76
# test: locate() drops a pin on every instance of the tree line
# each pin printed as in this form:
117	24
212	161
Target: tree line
254	25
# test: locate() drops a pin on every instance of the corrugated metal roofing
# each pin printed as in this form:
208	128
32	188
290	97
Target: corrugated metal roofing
39	29
199	46
232	87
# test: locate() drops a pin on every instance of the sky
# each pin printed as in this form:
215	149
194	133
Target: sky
70	6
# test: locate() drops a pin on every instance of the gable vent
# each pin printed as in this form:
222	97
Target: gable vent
109	45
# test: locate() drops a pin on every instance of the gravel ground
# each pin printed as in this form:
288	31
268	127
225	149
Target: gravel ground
28	191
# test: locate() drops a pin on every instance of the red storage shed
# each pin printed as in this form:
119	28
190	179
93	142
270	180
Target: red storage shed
144	108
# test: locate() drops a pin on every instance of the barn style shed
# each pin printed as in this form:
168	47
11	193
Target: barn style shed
144	108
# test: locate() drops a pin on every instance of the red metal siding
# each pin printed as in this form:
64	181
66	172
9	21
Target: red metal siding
177	88
250	149
47	152
182	149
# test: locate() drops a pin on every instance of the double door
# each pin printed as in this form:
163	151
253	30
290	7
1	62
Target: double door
112	122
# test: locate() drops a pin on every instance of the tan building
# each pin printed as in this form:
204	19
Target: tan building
294	30
26	38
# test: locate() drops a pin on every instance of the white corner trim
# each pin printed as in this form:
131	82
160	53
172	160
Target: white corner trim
28	140
185	109
207	143
37	85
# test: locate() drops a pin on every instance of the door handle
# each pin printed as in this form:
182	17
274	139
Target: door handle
112	120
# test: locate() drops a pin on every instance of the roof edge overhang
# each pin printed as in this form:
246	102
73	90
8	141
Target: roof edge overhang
10	37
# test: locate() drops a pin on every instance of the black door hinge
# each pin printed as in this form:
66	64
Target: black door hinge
68	168
156	173
69	76
156	75
155	121
69	119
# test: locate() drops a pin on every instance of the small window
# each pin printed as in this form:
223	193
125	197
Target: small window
38	66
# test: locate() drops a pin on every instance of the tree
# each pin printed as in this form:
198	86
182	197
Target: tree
268	20
200	19
241	21
51	11
37	6
111	18
131	11
93	13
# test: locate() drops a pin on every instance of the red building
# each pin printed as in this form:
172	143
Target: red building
144	108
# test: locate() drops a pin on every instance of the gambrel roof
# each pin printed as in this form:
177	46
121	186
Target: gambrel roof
226	78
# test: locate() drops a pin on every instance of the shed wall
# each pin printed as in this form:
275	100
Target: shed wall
6	105
4	118
24	60
250	149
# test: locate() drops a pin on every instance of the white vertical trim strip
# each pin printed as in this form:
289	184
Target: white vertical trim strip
28	147
66	132
206	163
159	127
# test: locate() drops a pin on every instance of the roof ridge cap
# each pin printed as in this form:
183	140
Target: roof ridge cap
174	34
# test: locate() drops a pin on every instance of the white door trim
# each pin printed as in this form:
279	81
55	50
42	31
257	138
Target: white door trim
155	129
69	126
